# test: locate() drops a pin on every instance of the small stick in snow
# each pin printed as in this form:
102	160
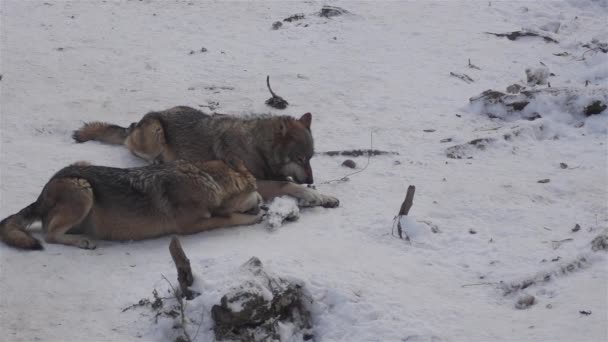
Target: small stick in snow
478	284
405	209
557	244
463	77
473	66
275	101
518	34
182	264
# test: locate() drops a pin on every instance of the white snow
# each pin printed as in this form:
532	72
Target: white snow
385	68
281	209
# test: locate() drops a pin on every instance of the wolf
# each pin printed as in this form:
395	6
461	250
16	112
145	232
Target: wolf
273	148
82	203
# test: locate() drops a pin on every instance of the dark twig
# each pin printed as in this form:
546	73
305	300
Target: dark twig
463	77
357	153
557	244
518	34
473	66
275	101
478	284
180	302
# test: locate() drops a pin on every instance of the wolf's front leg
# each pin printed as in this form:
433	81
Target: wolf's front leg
234	219
306	197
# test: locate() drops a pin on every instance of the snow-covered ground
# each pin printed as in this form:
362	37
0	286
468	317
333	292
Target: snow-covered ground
385	68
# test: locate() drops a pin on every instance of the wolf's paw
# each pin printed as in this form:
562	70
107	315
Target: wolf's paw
330	202
311	198
87	244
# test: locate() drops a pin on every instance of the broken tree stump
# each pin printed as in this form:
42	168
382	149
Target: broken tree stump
182	264
405	209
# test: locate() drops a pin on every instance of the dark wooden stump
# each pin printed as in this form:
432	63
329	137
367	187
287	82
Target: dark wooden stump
184	271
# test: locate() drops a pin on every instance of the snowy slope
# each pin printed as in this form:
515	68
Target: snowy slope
383	69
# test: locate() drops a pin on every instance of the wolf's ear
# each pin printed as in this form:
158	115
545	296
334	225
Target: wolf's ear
306	119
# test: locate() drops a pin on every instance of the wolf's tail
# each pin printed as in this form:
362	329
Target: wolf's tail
102	131
12	228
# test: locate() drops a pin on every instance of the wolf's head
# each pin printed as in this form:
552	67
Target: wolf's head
294	149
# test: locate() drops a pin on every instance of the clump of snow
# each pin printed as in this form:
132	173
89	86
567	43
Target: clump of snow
563	105
535	76
282	209
525	301
416	231
552	26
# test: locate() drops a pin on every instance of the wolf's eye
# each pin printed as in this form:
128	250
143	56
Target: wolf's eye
301	160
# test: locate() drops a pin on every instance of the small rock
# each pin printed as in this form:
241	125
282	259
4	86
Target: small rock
349	163
586	313
191	52
600	243
445	140
331	11
472	231
525	302
549	306
563	165
203	49
595	108
546	180
430	130
190	88
514	88
396	162
277	25
576	228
